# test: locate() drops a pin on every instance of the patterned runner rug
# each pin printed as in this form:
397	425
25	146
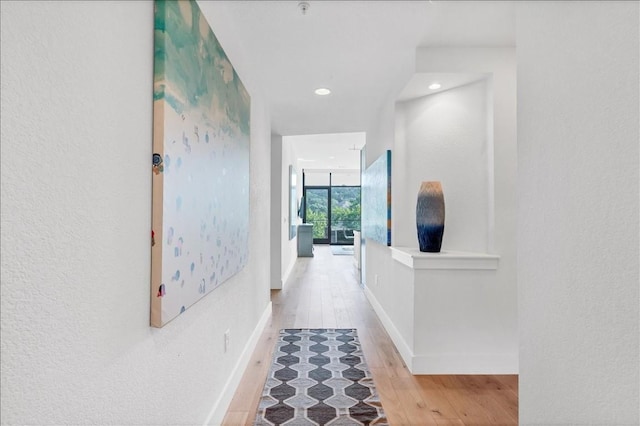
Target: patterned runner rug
319	377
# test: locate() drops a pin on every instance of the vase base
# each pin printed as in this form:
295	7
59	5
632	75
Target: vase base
430	238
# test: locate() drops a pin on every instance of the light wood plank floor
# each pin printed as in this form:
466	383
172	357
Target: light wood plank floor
323	292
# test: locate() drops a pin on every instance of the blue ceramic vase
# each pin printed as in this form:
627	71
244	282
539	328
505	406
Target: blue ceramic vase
430	217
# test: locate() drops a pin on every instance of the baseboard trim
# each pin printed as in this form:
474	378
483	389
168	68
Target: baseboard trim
457	363
403	348
219	410
444	363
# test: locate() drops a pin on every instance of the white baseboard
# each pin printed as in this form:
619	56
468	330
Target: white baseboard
457	363
219	410
403	348
444	363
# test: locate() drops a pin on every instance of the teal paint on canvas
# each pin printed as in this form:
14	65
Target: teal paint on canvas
376	200
191	69
201	162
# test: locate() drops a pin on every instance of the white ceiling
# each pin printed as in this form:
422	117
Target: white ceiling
334	151
363	50
418	85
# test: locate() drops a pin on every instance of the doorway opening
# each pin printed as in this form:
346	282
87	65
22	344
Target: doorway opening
334	212
329	166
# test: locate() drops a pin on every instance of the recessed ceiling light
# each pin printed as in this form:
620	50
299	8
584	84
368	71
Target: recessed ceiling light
304	7
323	91
332	157
435	86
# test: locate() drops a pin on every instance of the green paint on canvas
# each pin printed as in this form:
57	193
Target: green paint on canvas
191	70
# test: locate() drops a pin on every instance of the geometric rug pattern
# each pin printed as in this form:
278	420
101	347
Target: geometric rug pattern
319	377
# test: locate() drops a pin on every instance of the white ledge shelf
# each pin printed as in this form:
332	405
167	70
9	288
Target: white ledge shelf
447	259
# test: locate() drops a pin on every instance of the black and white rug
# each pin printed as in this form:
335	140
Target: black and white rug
319	377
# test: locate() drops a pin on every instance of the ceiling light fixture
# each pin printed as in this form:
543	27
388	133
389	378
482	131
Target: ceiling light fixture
322	91
435	86
304	7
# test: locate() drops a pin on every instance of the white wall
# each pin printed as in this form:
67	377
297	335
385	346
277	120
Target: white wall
478	123
76	202
276	212
578	246
500	64
380	135
376	257
443	137
284	251
289	251
392	285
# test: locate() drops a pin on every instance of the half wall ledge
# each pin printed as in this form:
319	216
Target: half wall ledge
446	259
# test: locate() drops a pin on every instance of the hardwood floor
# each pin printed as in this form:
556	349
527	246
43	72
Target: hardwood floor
323	292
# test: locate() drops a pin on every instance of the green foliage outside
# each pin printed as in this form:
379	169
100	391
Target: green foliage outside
319	221
345	210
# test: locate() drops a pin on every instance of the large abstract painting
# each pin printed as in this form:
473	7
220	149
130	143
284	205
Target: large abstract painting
376	200
200	213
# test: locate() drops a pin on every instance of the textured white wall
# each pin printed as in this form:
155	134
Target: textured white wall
443	137
289	246
578	235
283	250
461	120
276	212
76	185
377	257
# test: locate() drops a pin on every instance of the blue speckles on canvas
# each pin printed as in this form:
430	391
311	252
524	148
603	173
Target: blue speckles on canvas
204	125
185	142
177	250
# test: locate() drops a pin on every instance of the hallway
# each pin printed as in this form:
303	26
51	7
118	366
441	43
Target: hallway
323	292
